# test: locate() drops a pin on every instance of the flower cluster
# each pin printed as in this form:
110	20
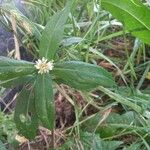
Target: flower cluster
44	66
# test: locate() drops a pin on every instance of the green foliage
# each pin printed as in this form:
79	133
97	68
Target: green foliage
36	105
16	81
25	114
53	34
89	141
10	68
122	116
8	130
2	147
44	101
82	75
133	14
134	146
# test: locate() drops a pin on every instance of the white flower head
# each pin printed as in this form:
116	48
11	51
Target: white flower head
44	66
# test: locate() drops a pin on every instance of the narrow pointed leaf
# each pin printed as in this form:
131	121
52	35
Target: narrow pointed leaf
25	115
133	14
53	34
11	68
82	76
44	100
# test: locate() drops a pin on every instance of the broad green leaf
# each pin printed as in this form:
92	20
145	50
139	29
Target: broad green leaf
25	115
133	14
126	118
53	34
44	100
11	68
82	76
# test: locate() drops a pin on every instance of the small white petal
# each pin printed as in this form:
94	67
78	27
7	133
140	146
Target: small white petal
39	61
44	60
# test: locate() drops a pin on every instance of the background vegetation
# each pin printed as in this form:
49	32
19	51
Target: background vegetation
94	108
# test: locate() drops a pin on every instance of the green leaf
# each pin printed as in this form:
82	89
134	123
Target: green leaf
44	100
82	76
111	145
126	118
11	68
133	14
91	141
25	115
2	147
10	83
134	146
53	34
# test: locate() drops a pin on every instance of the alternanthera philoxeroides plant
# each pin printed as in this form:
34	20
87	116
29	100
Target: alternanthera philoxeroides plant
35	103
